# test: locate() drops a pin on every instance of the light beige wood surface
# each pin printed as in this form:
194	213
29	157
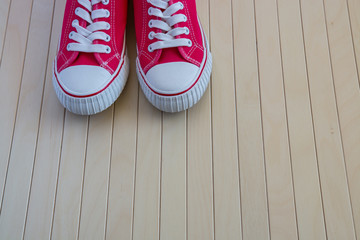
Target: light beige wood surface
307	190
272	151
4	13
249	121
335	191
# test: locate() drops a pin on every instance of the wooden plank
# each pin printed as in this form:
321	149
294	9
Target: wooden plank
173	177
307	189
251	154
282	212
353	7
225	152
200	206
148	165
70	178
27	123
21	160
10	77
4	13
336	202
45	173
96	176
200	213
122	170
347	95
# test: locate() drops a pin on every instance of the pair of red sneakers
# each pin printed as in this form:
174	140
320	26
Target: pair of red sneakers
91	67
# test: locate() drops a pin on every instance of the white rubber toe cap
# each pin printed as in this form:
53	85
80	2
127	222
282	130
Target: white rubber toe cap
172	78
84	80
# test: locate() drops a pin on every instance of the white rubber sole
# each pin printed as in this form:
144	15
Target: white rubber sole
181	102
96	103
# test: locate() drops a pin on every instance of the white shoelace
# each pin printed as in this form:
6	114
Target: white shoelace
167	38
84	37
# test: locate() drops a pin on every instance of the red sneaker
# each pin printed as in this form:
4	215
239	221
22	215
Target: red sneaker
174	61
91	66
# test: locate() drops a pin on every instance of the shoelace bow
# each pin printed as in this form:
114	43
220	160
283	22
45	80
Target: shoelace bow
84	37
168	18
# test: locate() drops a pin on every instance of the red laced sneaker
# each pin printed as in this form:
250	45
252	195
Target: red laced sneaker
174	61
91	66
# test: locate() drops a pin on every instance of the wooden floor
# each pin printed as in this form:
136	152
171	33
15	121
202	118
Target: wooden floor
271	151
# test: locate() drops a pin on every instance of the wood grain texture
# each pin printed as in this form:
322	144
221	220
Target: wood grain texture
21	159
65	219
173	177
270	152
10	77
227	214
249	121
148	172
308	198
282	212
96	176
4	13
353	7
347	92
338	220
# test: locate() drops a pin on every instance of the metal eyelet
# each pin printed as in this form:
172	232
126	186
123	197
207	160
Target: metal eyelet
187	31
185	18
181	5
107	39
105	2
107	13
189	43
75	22
68	47
151	35
150	23
108	26
150	49
108	49
150	11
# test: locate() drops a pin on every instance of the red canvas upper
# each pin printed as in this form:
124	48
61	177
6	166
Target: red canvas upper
193	54
109	61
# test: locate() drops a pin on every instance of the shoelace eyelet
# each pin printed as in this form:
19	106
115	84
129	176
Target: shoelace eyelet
105	2
150	23
107	13
75	22
187	31
150	49
151	35
107	39
189	43
108	49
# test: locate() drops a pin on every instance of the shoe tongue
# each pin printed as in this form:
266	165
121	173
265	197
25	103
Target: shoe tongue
170	55
85	59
